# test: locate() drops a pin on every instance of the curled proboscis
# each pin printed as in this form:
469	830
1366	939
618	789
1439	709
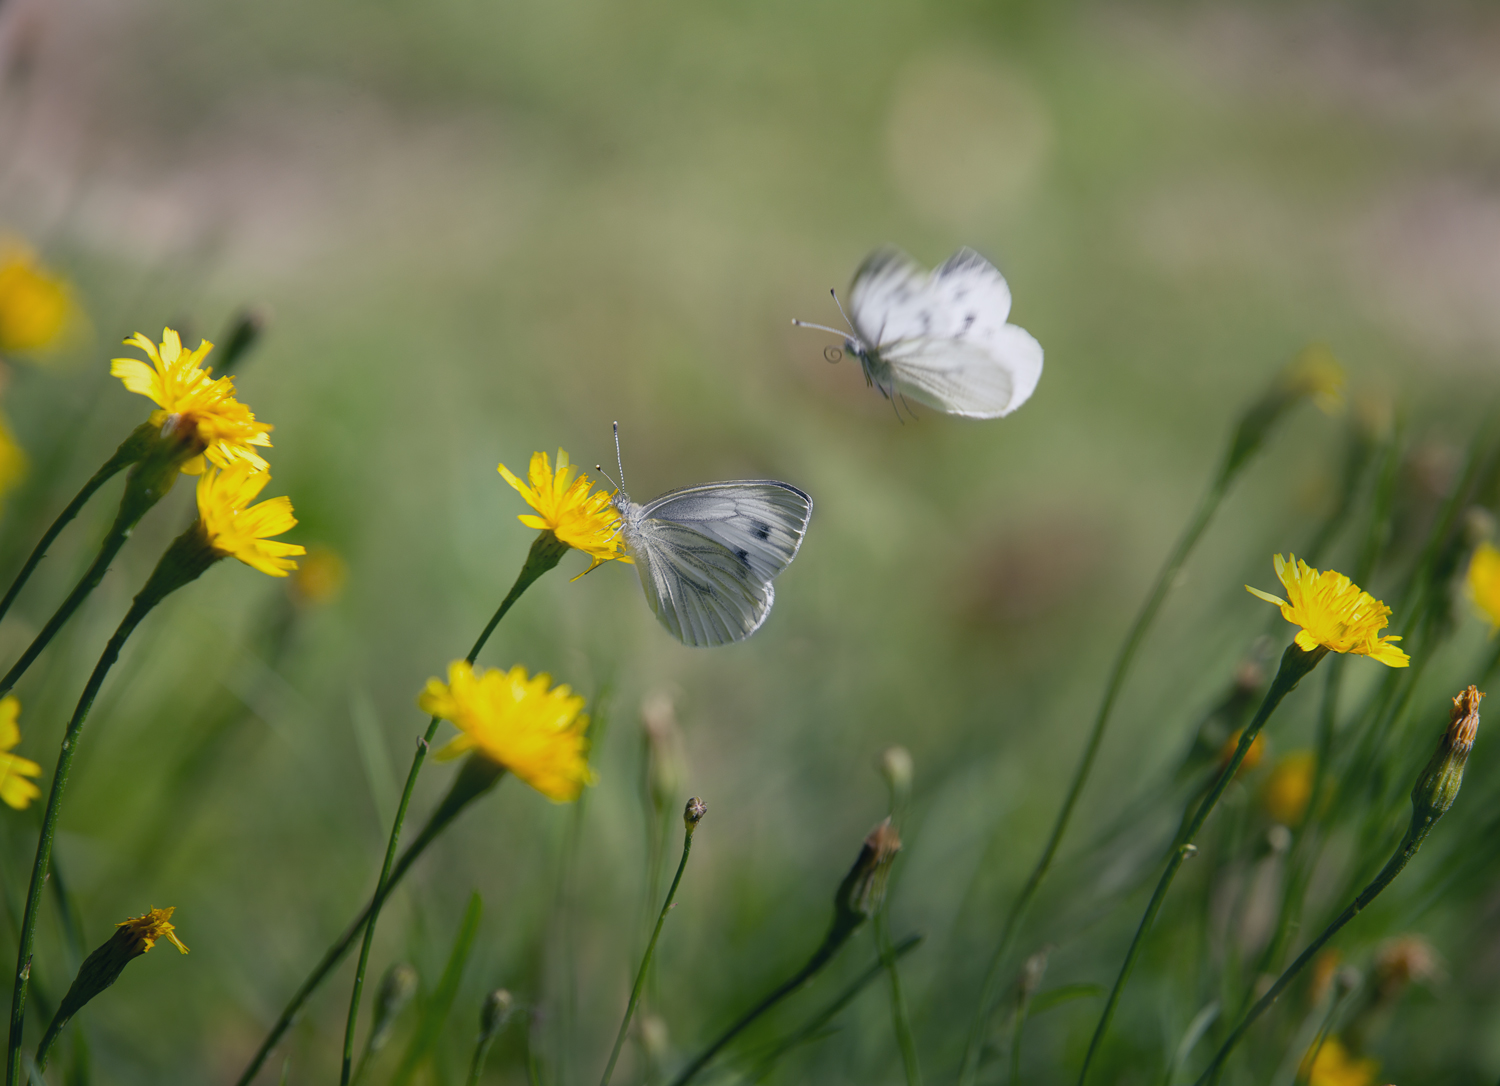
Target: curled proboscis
832	354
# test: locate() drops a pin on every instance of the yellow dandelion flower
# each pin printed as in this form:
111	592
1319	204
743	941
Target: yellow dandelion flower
1289	787
15	789
515	722
565	506
151	926
235	529
1335	1066
12	460
1484	582
1316	373
190	399
35	306
1333	612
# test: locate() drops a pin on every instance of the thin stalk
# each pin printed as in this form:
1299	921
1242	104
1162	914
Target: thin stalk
128	453
690	824
900	1017
1394	866
1295	665
1138	630
545	553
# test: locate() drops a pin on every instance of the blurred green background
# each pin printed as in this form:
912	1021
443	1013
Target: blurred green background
481	228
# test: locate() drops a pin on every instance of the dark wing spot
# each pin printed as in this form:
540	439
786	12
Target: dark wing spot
761	531
926	322
744	556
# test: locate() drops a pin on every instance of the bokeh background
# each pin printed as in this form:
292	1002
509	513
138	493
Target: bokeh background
480	228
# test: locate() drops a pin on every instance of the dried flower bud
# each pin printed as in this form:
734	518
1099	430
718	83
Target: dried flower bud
397	988
653	1031
1401	961
1438	786
863	889
693	813
499	1005
896	768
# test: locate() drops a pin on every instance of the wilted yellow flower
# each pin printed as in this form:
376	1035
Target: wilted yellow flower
190	399
1316	373
1334	1066
1484	582
1333	612
34	305
15	789
236	529
1289	786
516	722
565	507
148	928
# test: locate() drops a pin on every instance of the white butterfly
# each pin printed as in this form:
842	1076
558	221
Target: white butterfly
939	337
707	554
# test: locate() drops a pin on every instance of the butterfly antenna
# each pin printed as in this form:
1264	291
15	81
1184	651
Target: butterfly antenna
619	460
841	308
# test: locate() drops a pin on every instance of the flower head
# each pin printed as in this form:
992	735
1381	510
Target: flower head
1315	373
193	402
1289	787
1484	582
15	789
235	529
151	926
516	722
1333	1065
565	506
34	305
12	460
1252	757
1333	612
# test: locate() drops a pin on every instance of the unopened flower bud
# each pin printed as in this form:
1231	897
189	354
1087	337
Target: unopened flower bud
396	990
1032	973
693	813
863	889
653	1031
896	768
499	1005
664	768
1438	786
244	333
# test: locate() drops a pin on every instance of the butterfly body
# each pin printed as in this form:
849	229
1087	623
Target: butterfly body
941	337
707	554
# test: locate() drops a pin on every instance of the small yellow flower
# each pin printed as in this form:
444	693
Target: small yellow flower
189	397
236	529
12	460
1316	373
1333	612
517	723
1289	786
15	789
1484	582
34	305
152	926
583	520
1334	1066
320	577
1252	756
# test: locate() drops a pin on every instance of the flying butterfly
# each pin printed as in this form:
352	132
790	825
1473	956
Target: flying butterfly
940	337
707	554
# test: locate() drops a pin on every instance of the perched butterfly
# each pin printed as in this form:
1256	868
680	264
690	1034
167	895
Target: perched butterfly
939	337
707	554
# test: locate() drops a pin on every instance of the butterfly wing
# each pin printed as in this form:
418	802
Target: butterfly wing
944	336
707	554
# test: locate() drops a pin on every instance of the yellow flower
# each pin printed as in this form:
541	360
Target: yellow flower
34	306
583	520
236	529
1334	1066
1252	756
15	789
1315	372
517	723
1333	612
1289	786
12	460
1484	582
152	926
188	397
320	577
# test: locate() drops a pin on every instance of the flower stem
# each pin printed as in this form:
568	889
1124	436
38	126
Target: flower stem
1143	621
184	561
128	453
640	976
900	1018
1295	664
1404	852
545	553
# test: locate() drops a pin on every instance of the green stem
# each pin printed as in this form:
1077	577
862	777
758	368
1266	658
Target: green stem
545	553
1394	866
1295	664
640	976
128	453
476	1065
900	1017
1163	584
184	561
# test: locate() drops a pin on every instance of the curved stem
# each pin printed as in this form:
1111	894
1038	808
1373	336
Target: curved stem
640	976
1143	621
1295	664
900	1019
545	553
1404	852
